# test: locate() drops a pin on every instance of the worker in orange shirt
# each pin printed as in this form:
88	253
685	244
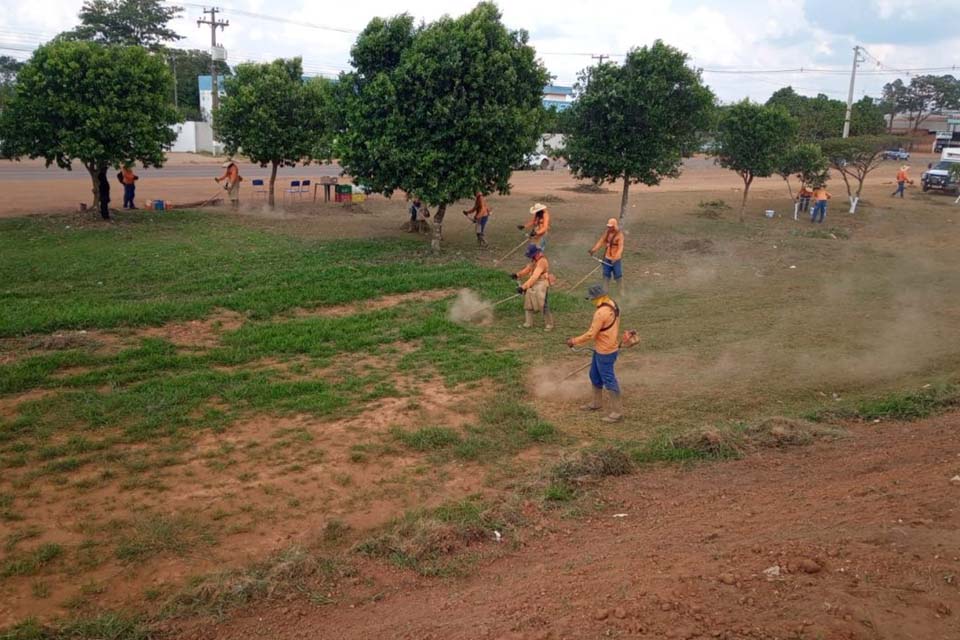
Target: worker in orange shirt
902	180
803	198
128	179
612	239
535	288
820	197
481	213
539	225
604	332
232	177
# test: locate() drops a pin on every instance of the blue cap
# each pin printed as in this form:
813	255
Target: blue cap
532	251
595	291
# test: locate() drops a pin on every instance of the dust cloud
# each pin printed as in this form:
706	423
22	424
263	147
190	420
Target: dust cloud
553	382
469	308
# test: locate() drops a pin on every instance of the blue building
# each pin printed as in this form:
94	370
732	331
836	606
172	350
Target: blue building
557	97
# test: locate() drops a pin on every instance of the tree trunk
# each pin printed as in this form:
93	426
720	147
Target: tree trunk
271	199
625	197
789	189
746	191
438	227
92	170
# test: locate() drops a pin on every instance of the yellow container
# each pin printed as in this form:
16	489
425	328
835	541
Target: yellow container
359	197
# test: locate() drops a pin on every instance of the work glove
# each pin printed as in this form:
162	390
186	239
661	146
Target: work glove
533	234
520	290
570	343
514	276
590	252
520	227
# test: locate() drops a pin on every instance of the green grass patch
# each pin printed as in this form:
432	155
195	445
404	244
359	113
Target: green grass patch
427	540
106	626
427	438
155	534
911	405
31	562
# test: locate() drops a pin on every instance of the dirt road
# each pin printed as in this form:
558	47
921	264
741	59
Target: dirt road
854	539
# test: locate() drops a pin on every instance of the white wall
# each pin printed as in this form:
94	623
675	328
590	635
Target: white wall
193	137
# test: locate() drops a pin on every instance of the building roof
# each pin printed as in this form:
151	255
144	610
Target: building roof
558	90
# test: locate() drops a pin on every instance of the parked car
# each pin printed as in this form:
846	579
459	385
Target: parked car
896	154
537	161
938	176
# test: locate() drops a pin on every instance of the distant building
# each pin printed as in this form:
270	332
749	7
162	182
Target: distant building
557	97
206	95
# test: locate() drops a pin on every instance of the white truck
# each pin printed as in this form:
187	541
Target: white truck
938	175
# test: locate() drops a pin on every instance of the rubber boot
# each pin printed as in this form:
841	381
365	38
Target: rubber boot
527	319
548	321
620	289
597	403
616	408
606	285
483	242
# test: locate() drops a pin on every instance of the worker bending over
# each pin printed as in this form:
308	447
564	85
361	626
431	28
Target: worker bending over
481	213
604	332
233	179
535	288
612	239
128	179
539	225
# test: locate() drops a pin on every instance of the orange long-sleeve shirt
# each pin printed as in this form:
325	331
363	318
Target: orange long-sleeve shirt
232	174
821	194
480	208
902	176
128	176
541	227
604	330
537	269
613	238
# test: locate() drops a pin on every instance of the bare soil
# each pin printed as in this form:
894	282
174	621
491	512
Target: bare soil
853	539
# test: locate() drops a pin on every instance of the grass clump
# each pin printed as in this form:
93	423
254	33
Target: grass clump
427	438
425	540
154	534
31	562
108	626
592	465
293	570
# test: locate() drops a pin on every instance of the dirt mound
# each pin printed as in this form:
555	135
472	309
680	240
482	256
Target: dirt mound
703	247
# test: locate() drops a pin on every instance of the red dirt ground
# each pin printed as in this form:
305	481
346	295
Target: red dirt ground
865	532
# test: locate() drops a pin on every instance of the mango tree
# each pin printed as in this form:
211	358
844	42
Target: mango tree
855	158
272	115
440	110
100	105
636	122
752	139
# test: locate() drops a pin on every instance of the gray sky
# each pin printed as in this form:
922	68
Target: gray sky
721	36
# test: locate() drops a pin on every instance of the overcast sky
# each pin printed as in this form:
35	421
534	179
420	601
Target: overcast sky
719	35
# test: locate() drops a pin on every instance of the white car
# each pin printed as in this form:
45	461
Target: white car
537	161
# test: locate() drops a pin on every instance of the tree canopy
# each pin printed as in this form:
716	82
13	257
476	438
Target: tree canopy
103	106
272	115
805	161
186	65
636	122
9	67
441	110
921	98
855	157
822	117
752	140
126	22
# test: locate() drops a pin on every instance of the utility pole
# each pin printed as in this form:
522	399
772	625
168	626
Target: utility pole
853	76
600	57
214	23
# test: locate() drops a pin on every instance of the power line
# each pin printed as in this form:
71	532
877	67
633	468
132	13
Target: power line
262	16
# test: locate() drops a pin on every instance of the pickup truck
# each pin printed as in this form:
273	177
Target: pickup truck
938	177
896	154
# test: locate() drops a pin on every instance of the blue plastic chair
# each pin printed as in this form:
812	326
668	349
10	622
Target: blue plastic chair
294	189
259	188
